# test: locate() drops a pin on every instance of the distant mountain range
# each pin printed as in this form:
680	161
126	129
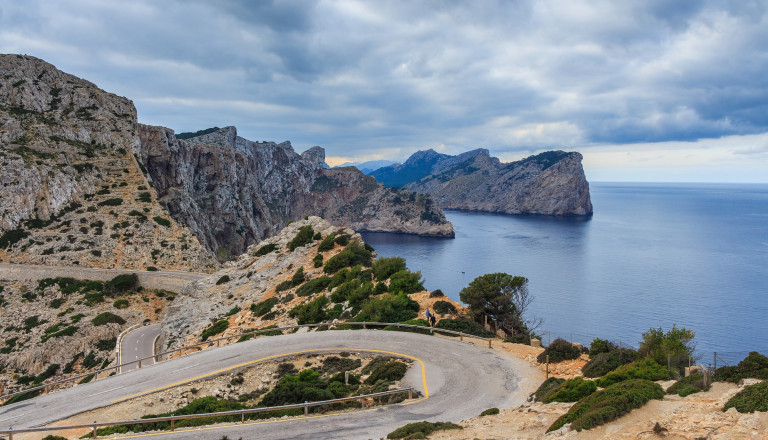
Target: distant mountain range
550	183
369	166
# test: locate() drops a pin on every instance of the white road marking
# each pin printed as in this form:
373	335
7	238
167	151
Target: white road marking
185	368
113	389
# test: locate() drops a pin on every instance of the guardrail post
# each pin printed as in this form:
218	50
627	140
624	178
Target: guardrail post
173	425
94	429
489	343
461	338
306	407
242	418
139	363
10	433
362	403
410	394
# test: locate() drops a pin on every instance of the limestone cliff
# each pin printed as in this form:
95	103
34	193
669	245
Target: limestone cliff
72	192
234	192
550	183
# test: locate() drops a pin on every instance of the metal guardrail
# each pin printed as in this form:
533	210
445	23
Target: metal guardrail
242	413
211	342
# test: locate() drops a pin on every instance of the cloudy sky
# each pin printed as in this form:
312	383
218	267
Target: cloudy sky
651	90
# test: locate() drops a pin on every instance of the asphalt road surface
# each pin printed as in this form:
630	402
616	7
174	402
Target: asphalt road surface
460	379
138	344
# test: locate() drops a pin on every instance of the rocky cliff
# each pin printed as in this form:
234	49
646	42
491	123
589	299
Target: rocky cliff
550	183
72	192
234	192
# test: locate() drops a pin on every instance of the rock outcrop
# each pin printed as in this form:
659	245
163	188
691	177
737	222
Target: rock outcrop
233	192
550	183
72	192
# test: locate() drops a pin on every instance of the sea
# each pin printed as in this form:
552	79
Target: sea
652	256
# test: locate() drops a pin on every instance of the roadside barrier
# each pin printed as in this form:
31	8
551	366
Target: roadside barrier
242	413
158	357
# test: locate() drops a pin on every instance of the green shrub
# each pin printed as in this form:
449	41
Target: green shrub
107	318
222	280
572	390
264	250
106	344
317	261
673	348
54	437
317	236
342	240
755	366
383	268
558	351
122	283
444	308
420	322
437	293
604	362
298	277
489	412
215	329
58	330
352	255
689	385
311	312
547	388
601	346
646	369
11	237
313	286
389	371
233	310
420	430
58	302
388	308
121	304
285	285
303	237
609	404
162	221
464	325
145	197
111	202
405	281
752	398
263	307
327	243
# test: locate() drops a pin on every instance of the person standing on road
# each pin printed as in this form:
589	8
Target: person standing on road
432	320
429	317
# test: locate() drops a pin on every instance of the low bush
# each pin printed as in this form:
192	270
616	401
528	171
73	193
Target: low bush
233	310
264	250
222	280
383	268
342	240
111	202
263	307
317	261
572	390
388	308
215	329
489	412
646	369
389	371
559	350
437	293
162	221
313	286
352	255
285	285
122	283
121	304
444	308
464	325
311	312
420	430
107	318
752	398
327	243
519	338
547	388
106	344
298	277
689	385
755	366
601	346
11	237
605	362
609	404
145	197
303	237
405	281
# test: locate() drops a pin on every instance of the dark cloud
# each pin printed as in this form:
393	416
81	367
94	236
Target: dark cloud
362	76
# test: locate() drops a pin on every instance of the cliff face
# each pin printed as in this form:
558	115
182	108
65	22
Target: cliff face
550	183
234	192
72	192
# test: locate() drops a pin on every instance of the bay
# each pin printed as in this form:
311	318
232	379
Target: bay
652	255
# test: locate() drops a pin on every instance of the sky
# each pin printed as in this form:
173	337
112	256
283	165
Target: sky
647	90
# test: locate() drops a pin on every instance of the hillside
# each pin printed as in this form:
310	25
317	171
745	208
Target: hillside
280	282
234	192
72	192
550	183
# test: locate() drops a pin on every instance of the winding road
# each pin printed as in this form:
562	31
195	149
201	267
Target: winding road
139	344
460	379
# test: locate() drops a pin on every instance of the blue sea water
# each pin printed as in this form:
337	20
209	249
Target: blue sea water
652	255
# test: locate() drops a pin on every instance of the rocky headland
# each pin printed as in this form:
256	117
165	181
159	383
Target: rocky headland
550	183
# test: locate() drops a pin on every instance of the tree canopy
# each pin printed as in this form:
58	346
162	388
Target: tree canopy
501	297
